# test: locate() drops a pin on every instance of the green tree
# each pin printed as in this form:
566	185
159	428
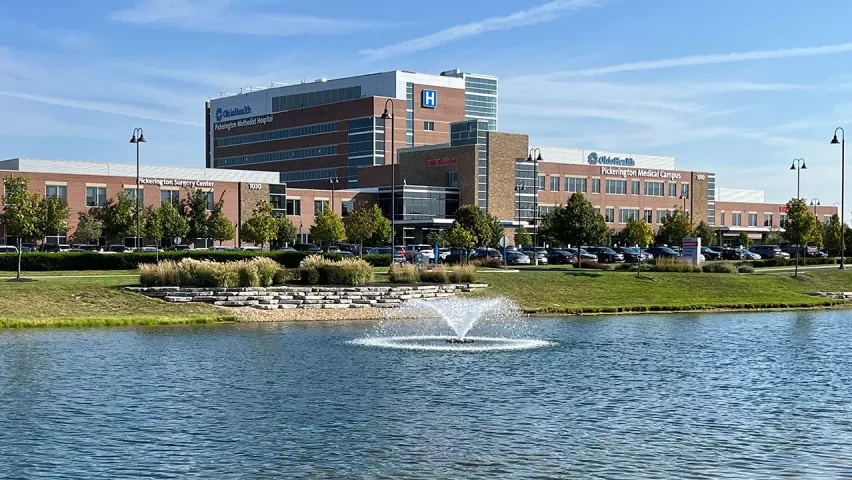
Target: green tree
20	211
437	238
89	228
744	240
286	232
775	236
460	237
496	229
194	208
801	227
675	228
636	232
327	227
117	217
706	233
219	227
152	227
261	226
52	216
359	226
173	223
381	227
831	235
577	223
522	237
471	218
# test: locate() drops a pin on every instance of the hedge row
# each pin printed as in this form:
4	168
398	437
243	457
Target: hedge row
789	262
42	261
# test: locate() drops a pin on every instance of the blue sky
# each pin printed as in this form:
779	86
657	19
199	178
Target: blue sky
737	88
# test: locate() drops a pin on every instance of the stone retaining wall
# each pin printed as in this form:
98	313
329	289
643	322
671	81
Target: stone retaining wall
284	297
838	295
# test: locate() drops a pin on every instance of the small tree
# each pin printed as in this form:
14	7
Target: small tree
359	226
88	228
261	227
775	236
831	234
577	223
459	237
327	227
801	227
173	223
497	230
194	208
52	217
219	226
471	218
20	212
706	233
744	240
522	237
637	232
286	232
381	227
117	217
437	238
675	228
152	227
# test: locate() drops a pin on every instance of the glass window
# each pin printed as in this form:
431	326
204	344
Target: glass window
541	182
575	184
278	201
596	185
58	191
625	214
783	220
95	196
554	184
429	126
211	200
752	219
452	179
347	206
294	206
736	219
672	189
130	193
616	187
722	218
661	215
684	190
655	189
767	219
320	205
170	196
649	216
610	215
634	187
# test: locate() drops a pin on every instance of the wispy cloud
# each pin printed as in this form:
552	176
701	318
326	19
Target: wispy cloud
542	13
711	59
217	16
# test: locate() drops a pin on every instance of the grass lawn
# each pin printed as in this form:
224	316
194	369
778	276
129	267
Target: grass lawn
571	291
92	301
72	273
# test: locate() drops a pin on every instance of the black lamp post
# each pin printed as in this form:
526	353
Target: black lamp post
392	118
519	187
798	166
333	181
137	140
535	157
842	190
815	203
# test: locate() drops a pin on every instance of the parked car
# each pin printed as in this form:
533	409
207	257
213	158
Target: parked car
662	252
397	257
286	249
483	253
584	254
220	248
249	249
633	254
769	251
87	248
458	255
150	249
606	254
514	257
443	253
307	247
8	249
732	254
710	254
561	257
28	247
539	253
420	249
120	248
348	247
749	255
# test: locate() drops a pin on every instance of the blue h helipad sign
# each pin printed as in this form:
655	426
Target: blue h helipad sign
430	98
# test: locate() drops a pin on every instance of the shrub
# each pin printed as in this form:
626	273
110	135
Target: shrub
282	276
312	269
719	268
462	274
435	275
591	265
674	265
247	274
488	263
256	272
404	274
378	260
266	268
349	271
745	269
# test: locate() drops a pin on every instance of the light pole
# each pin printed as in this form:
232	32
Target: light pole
535	157
392	117
137	140
842	190
519	187
798	166
333	181
815	203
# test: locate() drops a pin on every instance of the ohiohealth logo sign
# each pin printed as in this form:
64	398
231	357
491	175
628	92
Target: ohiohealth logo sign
430	99
232	112
595	159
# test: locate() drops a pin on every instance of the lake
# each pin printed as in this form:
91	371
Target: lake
659	396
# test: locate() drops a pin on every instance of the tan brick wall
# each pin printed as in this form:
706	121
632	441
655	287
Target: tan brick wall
761	209
414	169
504	149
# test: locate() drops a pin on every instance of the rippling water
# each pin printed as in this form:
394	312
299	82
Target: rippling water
698	396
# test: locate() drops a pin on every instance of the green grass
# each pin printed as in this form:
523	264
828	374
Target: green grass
71	273
572	291
92	301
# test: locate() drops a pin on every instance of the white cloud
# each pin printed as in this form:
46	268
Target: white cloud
540	14
217	16
711	59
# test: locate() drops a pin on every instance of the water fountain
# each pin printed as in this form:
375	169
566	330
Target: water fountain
426	325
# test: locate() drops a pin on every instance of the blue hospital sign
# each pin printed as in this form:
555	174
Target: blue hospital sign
430	98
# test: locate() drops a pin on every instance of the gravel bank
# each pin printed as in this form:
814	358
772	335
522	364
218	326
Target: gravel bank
248	314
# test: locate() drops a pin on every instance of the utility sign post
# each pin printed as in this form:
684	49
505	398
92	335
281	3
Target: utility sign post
691	251
504	242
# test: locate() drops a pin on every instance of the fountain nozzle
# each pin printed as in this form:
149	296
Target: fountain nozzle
459	340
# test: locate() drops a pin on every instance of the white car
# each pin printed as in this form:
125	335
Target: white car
8	249
428	251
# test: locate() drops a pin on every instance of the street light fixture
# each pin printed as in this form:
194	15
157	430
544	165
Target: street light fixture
798	165
333	181
137	139
519	187
392	117
535	157
842	143
815	203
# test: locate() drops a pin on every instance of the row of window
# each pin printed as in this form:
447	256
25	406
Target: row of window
313	99
737	219
615	187
480	85
279	156
626	214
305	175
282	134
97	196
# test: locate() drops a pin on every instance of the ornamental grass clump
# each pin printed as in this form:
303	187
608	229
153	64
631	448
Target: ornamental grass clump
404	274
316	270
254	272
463	274
674	265
435	275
